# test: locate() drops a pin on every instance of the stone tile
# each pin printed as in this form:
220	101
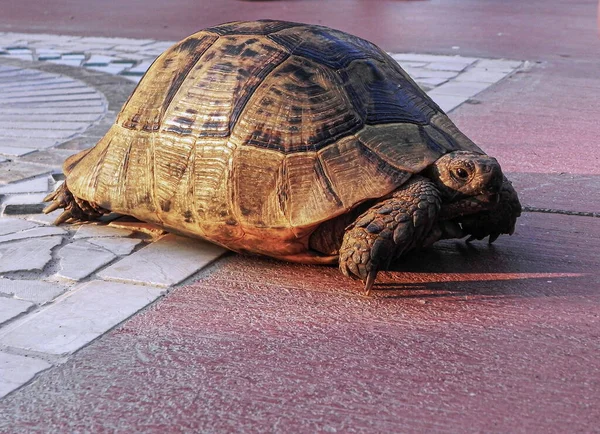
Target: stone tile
499	64
67	62
36	232
447	102
45	219
46	92
87	118
112	68
12	171
15	371
481	75
49	157
79	259
92	230
24	204
419	73
35	291
448	66
28	254
465	89
57	135
11	225
11	308
97	60
165	262
414	57
134	78
2	159
14	151
431	81
35	185
141	68
118	246
84	314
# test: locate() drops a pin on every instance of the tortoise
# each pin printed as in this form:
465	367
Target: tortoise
294	141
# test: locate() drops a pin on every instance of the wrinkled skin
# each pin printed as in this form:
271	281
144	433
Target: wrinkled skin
462	194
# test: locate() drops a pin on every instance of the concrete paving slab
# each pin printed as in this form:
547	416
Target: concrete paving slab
79	317
11	225
27	254
165	262
15	371
79	259
11	308
35	291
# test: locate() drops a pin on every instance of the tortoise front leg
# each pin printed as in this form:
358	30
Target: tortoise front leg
389	229
498	220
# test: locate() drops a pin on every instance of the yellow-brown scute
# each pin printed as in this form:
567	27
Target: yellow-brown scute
253	140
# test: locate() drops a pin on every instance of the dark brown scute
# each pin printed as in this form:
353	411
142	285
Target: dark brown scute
261	27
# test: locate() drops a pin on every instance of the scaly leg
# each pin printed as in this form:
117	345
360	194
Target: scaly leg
75	209
389	229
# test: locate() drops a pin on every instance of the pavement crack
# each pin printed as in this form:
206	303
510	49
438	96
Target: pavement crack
561	211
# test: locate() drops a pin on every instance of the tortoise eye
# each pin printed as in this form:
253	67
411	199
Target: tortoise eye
462	173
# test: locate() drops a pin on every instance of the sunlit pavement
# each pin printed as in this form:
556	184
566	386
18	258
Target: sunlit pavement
458	338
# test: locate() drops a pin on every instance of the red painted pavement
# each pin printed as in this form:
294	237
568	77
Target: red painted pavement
462	339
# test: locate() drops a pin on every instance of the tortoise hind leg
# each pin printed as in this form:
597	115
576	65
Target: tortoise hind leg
75	209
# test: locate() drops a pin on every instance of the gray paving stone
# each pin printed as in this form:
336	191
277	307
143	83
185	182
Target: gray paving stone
45	219
24	204
92	230
47	91
481	75
87	118
11	308
15	371
141	68
35	124
165	262
41	134
79	259
67	62
112	68
447	102
35	291
36	232
81	316
14	151
36	185
28	254
92	96
499	64
416	57
118	246
14	171
49	157
57	105
466	89
448	66
11	225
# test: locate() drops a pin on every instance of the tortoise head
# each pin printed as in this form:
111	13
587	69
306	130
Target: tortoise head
462	174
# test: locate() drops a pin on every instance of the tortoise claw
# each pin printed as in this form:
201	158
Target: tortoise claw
66	215
493	237
471	238
370	281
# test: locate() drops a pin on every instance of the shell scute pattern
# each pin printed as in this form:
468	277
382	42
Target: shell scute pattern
263	130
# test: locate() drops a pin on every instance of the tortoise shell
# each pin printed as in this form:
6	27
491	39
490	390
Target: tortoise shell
252	134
